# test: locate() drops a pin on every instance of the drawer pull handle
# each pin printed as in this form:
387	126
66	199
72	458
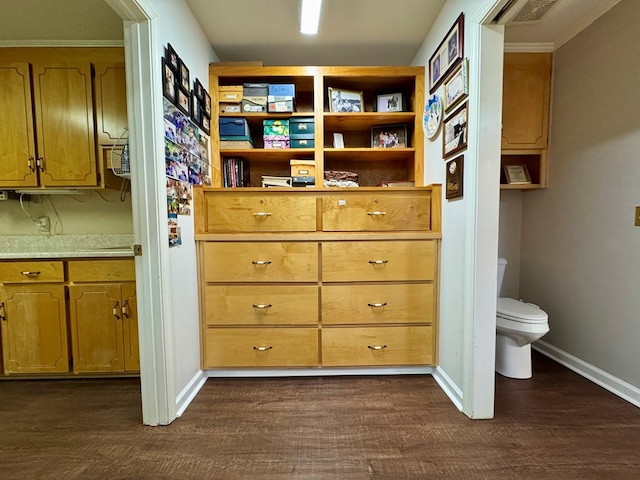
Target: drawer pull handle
125	309
376	214
116	309
263	349
31	163
378	305
3	315
377	347
30	274
262	214
378	262
261	262
262	305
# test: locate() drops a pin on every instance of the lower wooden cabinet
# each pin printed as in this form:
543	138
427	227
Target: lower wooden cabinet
34	329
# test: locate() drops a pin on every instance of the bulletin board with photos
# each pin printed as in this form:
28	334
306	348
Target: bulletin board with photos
186	120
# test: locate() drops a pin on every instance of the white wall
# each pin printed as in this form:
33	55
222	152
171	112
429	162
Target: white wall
470	224
580	250
177	26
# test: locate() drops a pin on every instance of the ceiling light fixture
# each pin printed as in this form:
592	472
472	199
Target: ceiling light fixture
310	16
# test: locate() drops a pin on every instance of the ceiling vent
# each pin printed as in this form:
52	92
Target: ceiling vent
521	12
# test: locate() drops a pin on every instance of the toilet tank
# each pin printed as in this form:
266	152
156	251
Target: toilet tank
502	266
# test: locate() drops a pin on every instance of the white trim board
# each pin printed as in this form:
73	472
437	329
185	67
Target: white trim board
61	43
317	372
607	381
450	389
189	392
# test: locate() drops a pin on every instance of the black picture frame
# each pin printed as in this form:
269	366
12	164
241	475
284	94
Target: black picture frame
169	88
206	99
390	102
183	75
183	101
196	108
172	58
206	124
198	89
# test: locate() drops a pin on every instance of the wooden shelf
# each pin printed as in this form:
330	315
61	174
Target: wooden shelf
269	155
370	154
365	120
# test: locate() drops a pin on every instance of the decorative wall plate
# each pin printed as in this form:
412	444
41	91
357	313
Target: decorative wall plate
432	117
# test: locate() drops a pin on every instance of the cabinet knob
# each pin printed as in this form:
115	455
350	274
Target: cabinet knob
377	347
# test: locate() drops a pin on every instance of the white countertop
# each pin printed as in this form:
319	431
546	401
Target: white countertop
65	246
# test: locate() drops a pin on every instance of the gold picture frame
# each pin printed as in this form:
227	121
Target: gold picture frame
517	174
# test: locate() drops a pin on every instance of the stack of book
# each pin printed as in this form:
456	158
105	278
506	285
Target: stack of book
235	172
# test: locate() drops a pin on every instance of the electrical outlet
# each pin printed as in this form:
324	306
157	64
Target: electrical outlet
43	224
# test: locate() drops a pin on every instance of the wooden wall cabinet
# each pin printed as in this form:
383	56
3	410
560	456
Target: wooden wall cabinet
353	284
33	318
373	165
103	316
55	135
525	114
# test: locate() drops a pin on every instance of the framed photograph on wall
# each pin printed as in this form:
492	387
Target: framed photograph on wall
454	174
198	89
345	101
206	100
389	102
196	108
183	71
456	87
455	132
184	101
391	136
171	57
206	124
168	82
448	54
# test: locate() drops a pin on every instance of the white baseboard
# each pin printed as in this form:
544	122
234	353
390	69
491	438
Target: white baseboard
607	381
317	372
450	389
189	392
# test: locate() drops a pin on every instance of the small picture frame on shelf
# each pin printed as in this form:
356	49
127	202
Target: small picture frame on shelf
184	76
454	178
168	82
206	99
172	59
348	101
184	101
206	124
455	132
517	174
338	140
456	87
390	136
389	102
198	89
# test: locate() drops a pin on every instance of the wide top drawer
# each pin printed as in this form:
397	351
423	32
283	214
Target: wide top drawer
31	272
354	212
102	270
260	213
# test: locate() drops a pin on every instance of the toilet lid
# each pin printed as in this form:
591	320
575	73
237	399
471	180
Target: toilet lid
520	311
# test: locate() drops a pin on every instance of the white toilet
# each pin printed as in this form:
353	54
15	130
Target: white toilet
518	324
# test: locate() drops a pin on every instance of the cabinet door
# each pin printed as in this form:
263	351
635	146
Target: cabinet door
130	327
63	105
96	328
34	329
111	103
525	104
17	155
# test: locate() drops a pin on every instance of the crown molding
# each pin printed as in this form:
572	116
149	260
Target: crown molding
529	47
597	12
61	43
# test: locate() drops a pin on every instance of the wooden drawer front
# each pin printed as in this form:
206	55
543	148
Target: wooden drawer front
31	272
262	347
350	304
117	270
261	305
261	262
378	261
371	212
268	213
367	346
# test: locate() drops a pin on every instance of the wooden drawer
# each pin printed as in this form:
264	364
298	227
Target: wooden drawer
358	304
261	347
261	305
357	212
369	346
260	213
378	260
31	272
116	270
261	262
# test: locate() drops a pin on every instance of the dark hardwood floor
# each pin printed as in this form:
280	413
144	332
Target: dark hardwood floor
556	425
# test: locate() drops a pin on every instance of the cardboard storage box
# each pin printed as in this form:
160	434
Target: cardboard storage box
305	181
230	107
282	90
255	89
230	93
303	142
254	104
303	168
276	143
275	128
301	126
279	104
234	126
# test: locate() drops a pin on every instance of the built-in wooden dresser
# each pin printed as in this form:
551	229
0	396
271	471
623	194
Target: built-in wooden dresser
318	277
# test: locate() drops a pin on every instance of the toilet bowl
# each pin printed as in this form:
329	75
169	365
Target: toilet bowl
518	324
